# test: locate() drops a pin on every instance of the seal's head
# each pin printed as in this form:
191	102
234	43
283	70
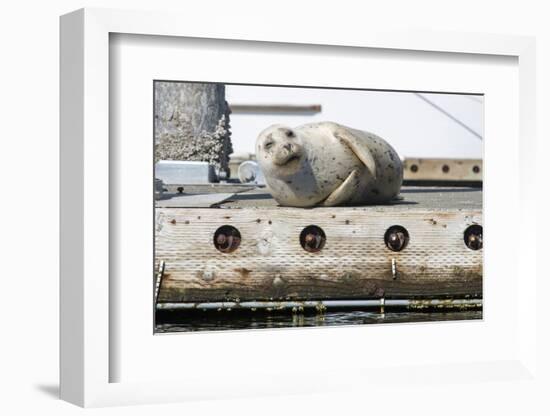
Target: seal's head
280	150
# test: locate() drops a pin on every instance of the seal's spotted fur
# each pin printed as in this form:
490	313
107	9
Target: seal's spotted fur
328	164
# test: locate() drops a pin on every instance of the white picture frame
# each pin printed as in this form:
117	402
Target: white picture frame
86	353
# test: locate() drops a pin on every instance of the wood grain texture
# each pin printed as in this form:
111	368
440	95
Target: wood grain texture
354	263
453	170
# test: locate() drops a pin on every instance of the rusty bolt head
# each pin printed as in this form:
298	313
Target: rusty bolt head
227	239
473	237
312	239
221	239
396	238
396	241
475	242
309	238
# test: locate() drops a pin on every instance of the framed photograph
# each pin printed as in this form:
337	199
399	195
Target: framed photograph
297	213
262	224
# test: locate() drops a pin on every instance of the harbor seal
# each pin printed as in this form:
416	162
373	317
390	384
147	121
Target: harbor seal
327	164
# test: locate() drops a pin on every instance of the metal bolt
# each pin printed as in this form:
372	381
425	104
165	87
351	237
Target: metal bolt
312	239
475	242
473	237
445	168
396	238
414	168
227	239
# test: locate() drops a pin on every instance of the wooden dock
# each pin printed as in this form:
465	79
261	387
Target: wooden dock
243	247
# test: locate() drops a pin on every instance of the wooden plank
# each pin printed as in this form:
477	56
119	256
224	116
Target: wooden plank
270	263
223	187
194	201
451	170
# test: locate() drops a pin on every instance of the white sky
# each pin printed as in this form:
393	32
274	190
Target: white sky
411	125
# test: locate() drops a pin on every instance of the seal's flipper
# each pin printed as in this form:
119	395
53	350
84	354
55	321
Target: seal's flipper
345	192
359	147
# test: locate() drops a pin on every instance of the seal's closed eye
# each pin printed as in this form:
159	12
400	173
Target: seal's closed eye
268	145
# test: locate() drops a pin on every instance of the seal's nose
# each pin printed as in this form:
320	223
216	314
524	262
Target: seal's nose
287	146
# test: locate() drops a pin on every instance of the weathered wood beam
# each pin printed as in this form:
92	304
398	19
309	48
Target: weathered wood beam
270	263
447	170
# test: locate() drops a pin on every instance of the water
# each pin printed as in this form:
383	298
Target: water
184	321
